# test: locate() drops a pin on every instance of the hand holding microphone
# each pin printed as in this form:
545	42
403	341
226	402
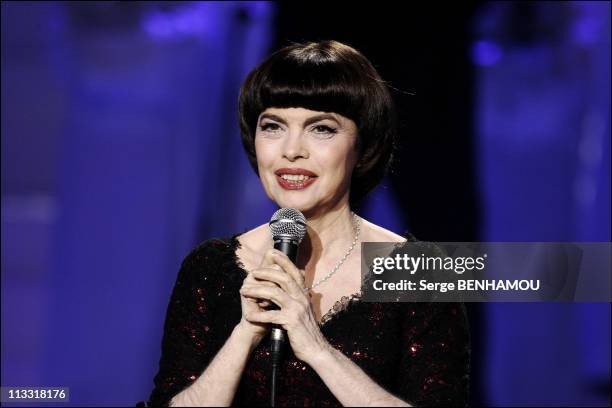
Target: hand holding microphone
251	304
295	319
288	228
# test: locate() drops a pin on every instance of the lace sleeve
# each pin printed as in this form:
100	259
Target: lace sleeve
187	345
435	361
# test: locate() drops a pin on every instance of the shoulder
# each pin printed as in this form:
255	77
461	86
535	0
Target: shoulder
255	239
228	254
375	233
211	261
251	245
209	250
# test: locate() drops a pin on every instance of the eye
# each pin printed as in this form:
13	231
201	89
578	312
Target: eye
324	130
269	127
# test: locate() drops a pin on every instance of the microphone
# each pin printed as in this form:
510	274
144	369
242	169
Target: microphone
288	228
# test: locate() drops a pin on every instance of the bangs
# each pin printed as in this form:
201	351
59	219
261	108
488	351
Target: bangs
324	87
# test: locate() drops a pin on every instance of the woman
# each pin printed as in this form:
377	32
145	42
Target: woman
317	124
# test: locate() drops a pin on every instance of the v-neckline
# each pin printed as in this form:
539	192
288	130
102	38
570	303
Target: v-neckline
338	306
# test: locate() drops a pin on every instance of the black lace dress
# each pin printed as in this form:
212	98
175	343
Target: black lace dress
419	352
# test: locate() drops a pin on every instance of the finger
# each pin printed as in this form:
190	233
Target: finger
282	279
276	295
252	280
270	316
268	259
285	263
273	258
264	303
260	302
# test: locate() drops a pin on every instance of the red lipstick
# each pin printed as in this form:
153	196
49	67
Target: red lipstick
294	185
295	171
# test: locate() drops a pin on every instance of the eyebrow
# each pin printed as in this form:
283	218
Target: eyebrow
307	122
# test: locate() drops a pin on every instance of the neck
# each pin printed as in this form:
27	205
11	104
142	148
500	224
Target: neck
328	238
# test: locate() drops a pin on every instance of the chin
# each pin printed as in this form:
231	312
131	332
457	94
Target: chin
303	205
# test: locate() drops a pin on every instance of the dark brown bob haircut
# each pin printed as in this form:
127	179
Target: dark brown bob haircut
326	76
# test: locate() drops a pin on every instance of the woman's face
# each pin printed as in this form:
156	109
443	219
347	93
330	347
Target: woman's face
305	158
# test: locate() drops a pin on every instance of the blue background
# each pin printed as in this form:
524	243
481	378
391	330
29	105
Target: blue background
121	151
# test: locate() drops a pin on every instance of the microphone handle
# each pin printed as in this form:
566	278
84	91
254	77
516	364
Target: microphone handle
288	247
278	334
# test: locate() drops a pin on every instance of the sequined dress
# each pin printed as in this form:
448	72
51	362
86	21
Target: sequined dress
419	352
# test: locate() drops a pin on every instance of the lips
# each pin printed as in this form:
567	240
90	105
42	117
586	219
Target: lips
295	171
295	178
294	185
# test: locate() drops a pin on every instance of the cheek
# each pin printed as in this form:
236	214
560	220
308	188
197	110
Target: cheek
341	159
262	154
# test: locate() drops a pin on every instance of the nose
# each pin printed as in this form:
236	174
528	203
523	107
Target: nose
294	146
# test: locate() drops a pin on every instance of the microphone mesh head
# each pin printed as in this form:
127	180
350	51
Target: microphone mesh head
288	223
